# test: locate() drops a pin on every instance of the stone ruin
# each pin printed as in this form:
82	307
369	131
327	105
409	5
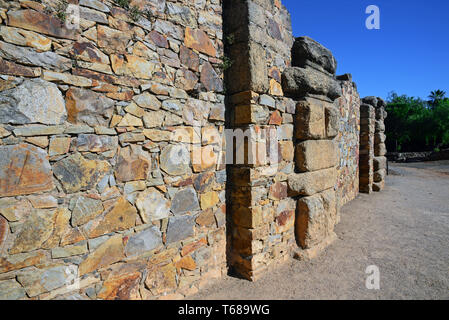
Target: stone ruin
117	180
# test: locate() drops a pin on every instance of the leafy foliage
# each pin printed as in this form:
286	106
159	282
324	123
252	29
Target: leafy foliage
414	124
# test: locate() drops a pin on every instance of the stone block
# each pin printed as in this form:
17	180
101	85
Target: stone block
314	155
380	150
310	183
310	119
379	163
306	49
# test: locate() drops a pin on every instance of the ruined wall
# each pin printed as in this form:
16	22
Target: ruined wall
373	162
99	128
348	141
258	41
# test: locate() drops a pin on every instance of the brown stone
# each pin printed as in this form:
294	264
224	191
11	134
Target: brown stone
122	282
24	169
275	118
131	166
59	146
310	119
189	58
158	39
191	247
210	79
186	263
77	173
275	88
206	218
107	253
309	183
41	23
314	155
199	40
161	279
209	199
112	40
4	230
11	68
121	216
278	191
21	260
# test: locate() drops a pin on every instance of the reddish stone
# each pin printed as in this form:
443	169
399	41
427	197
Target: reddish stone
131	167
24	169
278	191
197	39
191	247
158	39
3	230
189	58
7	67
186	263
41	23
275	118
275	74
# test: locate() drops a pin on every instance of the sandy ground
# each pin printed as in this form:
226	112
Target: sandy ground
403	230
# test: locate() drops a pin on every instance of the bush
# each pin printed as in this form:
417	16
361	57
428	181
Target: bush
414	124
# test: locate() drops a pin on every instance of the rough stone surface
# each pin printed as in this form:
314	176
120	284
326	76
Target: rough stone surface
310	183
144	241
314	155
24	169
307	50
33	101
185	200
152	205
180	228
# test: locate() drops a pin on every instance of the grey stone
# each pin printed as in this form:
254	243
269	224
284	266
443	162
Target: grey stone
85	209
371	100
184	201
37	281
181	14
47	60
175	160
180	228
152	205
144	241
95	4
297	82
11	290
306	49
33	101
266	100
93	15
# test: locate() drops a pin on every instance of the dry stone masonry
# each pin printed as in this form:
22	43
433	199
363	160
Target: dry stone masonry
163	143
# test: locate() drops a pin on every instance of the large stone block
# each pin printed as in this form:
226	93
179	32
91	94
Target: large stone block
310	183
306	50
380	163
24	169
316	217
314	155
298	82
332	121
379	175
380	150
33	101
310	119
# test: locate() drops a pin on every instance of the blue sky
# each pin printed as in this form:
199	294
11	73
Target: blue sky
409	54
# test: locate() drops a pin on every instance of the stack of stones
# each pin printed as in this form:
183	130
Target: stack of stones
367	127
311	81
372	145
380	150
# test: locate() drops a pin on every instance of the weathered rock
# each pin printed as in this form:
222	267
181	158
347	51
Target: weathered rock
310	183
11	68
152	205
59	146
107	253
379	163
70	251
144	241
11	290
112	40
131	166
380	175
121	216
25	38
77	173
96	143
123	282
134	66
161	279
332	118
34	232
85	106
380	150
297	82
85	209
175	160
180	228
147	101
33	101
21	260
38	130
41	23
210	79
189	58
185	200
198	40
24	169
95	4
27	56
181	14
306	50
310	119
314	155
4	230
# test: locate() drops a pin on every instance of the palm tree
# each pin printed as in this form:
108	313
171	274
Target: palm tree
436	96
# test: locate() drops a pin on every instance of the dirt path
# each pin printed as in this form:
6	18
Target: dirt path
404	231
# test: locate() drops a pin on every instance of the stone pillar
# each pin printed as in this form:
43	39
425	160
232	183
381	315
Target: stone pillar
367	127
311	82
380	150
258	39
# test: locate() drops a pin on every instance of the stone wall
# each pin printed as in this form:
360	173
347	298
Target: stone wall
258	41
99	128
373	162
348	141
117	180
